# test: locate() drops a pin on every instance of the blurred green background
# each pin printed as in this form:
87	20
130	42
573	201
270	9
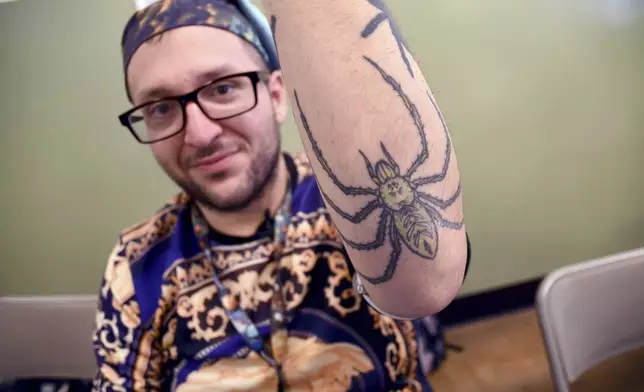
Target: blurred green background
543	98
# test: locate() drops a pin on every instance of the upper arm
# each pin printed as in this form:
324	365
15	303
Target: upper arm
123	345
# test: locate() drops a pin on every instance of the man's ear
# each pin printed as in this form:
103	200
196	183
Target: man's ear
278	94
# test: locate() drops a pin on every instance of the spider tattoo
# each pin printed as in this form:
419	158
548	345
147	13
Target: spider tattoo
409	216
385	15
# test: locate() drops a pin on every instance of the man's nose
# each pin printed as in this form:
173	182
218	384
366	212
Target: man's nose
200	131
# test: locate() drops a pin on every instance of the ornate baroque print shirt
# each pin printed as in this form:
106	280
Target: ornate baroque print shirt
159	325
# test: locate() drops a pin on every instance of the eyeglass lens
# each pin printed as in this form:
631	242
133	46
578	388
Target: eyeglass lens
220	99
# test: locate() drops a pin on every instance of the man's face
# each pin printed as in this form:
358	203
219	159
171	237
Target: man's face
223	164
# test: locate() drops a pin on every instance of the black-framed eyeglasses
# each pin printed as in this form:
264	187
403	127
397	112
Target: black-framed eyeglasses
220	99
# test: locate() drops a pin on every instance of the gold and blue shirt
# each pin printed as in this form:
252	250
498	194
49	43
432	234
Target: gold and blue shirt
159	325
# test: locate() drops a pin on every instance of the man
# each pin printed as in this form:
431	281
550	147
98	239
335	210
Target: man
242	282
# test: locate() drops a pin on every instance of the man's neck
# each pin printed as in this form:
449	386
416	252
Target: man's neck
244	223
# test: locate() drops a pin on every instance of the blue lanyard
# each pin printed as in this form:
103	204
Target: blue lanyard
240	320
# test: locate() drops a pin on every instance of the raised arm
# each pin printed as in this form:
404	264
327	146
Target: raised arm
379	147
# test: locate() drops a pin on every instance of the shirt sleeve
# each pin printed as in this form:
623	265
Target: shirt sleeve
469	255
125	349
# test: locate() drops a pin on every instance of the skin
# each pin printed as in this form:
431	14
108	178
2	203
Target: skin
235	195
367	118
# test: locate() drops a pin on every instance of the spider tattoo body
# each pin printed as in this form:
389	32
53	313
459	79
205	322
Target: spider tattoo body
409	216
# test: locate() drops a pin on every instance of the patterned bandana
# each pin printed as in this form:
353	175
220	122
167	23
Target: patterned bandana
165	15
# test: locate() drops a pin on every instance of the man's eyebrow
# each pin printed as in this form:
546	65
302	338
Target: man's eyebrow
215	74
155	93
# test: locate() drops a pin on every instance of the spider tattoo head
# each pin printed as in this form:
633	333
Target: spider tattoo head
394	190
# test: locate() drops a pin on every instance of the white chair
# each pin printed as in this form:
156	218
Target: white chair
590	312
47	337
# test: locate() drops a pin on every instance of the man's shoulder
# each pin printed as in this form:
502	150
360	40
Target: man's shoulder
134	243
136	240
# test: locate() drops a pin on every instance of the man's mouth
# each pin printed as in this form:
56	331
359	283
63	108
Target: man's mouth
216	161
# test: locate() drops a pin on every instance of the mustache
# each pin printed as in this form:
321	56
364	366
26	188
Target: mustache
205	152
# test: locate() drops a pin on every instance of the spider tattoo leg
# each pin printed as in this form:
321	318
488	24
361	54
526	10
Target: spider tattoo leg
402	49
390	158
385	15
448	149
380	235
349	190
415	115
358	216
440	202
426	200
393	259
372	172
450	225
373	24
436	216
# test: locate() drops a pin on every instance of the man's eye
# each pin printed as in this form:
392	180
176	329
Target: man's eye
223	89
219	90
159	109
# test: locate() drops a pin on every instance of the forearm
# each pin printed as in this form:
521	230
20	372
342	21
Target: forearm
379	148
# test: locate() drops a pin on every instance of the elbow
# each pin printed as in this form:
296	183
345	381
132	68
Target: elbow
447	282
441	298
446	287
432	302
411	301
421	289
419	294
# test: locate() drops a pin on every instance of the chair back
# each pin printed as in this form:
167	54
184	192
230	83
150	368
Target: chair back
590	312
47	337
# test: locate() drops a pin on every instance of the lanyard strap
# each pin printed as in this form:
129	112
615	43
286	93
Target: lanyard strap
238	317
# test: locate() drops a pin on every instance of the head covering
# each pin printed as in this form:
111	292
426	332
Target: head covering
236	16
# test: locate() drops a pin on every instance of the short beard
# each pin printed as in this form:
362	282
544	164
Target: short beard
259	174
257	181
